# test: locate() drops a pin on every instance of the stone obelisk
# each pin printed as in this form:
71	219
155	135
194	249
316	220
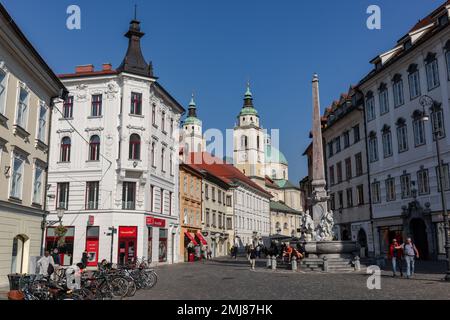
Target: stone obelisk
319	193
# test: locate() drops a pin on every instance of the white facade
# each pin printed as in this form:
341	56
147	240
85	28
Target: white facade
251	216
129	179
346	172
402	150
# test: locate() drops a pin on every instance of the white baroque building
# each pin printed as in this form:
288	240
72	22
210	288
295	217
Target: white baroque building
401	147
114	164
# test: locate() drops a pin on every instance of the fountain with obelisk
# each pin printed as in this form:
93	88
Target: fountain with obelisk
318	225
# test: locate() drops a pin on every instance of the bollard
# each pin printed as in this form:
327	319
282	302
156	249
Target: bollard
325	264
274	263
269	262
294	264
357	263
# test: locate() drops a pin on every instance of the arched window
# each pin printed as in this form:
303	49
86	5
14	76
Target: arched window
244	142
66	144
19	255
135	147
94	148
274	174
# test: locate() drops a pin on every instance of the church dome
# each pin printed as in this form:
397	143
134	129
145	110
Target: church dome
273	155
192	121
248	112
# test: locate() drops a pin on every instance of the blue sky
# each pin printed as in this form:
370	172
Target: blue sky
212	47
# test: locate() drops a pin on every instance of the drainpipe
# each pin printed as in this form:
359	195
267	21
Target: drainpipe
63	94
362	108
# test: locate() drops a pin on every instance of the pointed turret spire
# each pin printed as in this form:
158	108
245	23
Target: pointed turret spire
248	100
134	61
192	108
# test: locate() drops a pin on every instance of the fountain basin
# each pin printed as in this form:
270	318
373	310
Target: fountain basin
332	249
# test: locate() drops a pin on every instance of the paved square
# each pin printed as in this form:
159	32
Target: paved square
225	279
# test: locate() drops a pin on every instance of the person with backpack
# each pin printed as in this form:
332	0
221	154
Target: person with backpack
396	256
411	253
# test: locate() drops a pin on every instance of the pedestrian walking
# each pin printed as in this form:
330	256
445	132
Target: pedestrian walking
209	253
252	257
411	253
46	264
258	251
247	251
235	252
396	256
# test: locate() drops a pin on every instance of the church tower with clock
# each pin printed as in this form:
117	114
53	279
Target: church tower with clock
248	140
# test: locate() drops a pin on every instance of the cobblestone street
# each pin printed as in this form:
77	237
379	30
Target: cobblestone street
228	279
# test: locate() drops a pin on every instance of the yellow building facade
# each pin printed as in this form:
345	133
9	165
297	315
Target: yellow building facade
190	210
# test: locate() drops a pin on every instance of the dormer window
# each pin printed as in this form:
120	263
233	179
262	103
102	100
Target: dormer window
443	20
378	65
407	44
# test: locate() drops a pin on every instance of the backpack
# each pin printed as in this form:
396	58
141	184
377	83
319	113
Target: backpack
50	269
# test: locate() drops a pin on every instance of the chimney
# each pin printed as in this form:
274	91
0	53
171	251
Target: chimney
84	69
107	67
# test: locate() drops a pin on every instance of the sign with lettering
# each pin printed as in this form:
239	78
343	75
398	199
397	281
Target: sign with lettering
154	222
128	232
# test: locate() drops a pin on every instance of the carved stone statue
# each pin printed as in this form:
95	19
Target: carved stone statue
324	230
308	228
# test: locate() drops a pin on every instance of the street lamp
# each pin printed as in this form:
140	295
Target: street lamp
60	214
428	102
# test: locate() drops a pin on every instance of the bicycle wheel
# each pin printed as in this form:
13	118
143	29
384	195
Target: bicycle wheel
132	288
104	292
151	278
84	294
119	287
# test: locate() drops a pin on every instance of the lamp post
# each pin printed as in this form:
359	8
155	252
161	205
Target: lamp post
60	214
428	102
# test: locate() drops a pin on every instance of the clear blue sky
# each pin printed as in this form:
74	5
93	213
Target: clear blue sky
213	46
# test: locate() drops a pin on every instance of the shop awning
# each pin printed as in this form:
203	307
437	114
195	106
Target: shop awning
191	237
201	238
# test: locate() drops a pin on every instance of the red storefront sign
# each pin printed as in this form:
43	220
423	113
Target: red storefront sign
91	220
127	232
92	251
154	222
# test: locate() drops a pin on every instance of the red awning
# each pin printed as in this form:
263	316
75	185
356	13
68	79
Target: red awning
201	238
191	237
